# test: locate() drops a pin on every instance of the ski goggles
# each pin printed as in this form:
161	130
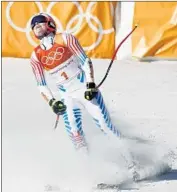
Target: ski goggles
38	19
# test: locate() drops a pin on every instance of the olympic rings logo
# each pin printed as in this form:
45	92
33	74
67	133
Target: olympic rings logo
53	56
80	17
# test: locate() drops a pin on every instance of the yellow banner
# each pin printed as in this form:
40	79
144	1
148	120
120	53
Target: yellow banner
156	35
93	28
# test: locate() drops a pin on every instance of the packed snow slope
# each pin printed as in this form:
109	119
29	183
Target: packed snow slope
142	100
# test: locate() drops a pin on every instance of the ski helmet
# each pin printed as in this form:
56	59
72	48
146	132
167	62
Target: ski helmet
44	18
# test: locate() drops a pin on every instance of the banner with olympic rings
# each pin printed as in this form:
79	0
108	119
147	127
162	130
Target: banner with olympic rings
94	24
93	28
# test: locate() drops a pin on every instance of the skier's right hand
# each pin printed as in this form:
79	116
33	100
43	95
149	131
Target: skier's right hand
58	107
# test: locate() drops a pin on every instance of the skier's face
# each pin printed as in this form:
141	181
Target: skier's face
39	29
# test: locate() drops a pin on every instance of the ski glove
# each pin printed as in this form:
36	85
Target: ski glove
58	107
91	91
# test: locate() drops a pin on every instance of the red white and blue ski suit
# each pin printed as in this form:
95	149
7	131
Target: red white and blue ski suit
63	59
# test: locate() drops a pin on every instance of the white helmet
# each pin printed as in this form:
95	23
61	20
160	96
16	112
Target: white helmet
44	18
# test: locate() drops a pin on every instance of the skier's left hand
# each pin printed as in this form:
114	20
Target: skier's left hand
91	91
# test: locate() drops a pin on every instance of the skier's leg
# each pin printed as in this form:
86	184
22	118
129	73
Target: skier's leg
102	119
100	114
73	124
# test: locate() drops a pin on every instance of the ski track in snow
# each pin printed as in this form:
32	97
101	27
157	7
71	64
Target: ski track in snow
141	98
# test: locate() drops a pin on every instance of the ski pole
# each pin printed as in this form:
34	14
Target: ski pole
56	122
57	119
114	55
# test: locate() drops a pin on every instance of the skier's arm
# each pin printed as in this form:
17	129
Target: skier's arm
77	50
40	78
58	107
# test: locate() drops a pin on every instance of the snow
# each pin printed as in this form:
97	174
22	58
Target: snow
141	98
